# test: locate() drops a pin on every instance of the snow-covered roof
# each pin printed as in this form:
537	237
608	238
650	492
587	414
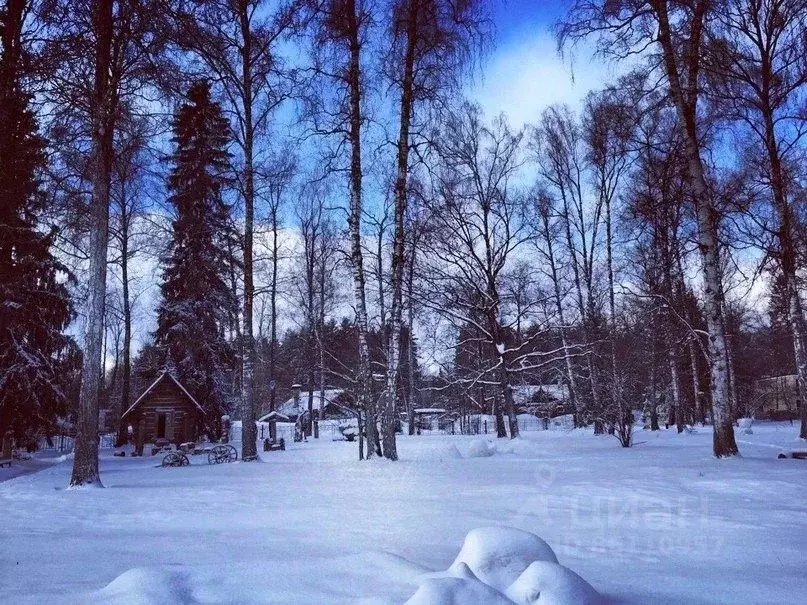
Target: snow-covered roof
292	408
430	411
273	415
154	385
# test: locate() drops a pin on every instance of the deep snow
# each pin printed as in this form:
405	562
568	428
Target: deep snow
663	522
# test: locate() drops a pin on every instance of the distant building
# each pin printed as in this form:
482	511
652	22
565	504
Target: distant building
336	404
433	419
777	398
543	400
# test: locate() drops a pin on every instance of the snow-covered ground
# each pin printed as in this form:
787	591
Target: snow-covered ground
662	522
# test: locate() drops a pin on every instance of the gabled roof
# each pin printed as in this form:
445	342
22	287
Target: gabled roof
160	378
275	415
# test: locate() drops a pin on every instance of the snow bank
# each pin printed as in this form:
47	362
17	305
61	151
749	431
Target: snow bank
498	565
744	425
449	452
147	586
65	457
480	448
517	446
498	555
456	591
437	452
547	583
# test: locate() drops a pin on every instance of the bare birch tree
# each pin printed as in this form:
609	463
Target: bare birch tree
672	33
429	42
477	222
756	55
335	107
560	155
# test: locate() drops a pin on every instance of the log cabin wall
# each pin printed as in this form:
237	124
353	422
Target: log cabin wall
180	414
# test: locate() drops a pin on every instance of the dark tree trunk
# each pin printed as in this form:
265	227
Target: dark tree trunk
389	418
126	377
501	430
249	434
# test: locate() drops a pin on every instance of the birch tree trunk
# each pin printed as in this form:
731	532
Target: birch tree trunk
763	52
273	314
310	235
675	387
653	397
700	414
585	321
321	411
410	411
364	400
85	462
734	407
504	370
571	379
787	237
509	402
126	378
323	258
724	443
616	392
249	433
501	430
389	418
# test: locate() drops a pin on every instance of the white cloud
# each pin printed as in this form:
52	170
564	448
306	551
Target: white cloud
526	75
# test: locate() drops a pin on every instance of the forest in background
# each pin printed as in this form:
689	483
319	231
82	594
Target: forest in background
286	191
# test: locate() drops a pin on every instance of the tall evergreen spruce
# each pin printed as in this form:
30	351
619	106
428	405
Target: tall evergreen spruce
196	299
34	305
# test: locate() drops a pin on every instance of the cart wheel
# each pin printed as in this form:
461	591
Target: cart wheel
232	453
184	461
174	459
213	457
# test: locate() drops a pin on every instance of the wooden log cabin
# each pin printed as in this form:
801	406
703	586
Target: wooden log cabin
165	411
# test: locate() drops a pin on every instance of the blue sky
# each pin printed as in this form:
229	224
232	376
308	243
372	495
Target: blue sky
523	73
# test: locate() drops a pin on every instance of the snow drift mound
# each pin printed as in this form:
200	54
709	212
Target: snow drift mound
480	448
456	591
438	453
499	565
146	586
498	555
546	583
66	457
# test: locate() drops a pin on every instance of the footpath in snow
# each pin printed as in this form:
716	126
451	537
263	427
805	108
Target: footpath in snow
552	518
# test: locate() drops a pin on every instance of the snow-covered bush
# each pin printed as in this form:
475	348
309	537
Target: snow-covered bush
498	555
503	565
480	448
744	425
